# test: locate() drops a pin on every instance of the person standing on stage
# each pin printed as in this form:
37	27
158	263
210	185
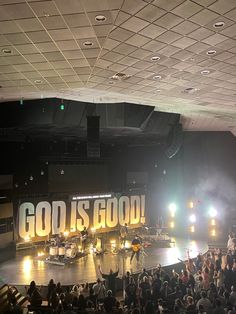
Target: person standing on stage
84	237
136	247
110	279
123	233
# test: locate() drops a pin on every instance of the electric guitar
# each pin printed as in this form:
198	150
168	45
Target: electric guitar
136	247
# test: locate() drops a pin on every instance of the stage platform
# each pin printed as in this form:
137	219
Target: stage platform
25	267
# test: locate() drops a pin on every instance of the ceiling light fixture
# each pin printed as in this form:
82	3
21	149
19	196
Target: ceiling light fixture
211	52
6	51
38	82
100	18
88	44
155	58
205	72
46	14
219	24
31	178
157	77
42	172
62	171
190	90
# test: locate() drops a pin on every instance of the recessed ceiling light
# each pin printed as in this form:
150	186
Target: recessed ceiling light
205	72
219	24
211	52
88	44
38	82
190	90
157	77
46	14
157	91
155	58
100	18
110	82
6	51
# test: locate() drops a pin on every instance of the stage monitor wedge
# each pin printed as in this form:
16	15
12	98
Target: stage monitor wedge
93	136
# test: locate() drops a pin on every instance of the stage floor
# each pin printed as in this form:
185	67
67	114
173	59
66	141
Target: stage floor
24	267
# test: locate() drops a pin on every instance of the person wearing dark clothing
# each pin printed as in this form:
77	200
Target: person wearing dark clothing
109	302
51	288
130	291
156	286
136	247
110	279
84	237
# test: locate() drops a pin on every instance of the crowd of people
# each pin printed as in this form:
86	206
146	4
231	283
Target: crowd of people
205	285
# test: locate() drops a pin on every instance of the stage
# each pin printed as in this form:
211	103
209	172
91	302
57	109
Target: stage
25	267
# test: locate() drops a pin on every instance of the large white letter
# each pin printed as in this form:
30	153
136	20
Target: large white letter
84	222
124	210
99	214
73	213
134	209
43	219
58	217
26	220
112	212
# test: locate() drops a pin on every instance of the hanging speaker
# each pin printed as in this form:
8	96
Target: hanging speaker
175	142
93	137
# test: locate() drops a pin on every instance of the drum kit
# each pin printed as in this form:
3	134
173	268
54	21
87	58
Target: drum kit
66	250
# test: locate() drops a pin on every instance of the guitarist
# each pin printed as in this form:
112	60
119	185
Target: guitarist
84	236
136	247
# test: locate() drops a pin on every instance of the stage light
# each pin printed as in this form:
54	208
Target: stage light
191	205
192	218
27	238
213	222
213	232
62	172
93	230
212	212
192	229
40	253
113	243
66	233
172	224
172	208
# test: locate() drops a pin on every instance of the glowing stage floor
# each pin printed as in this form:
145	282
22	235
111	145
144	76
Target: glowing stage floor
23	268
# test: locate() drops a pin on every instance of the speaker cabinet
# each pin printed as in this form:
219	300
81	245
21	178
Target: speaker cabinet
175	141
93	136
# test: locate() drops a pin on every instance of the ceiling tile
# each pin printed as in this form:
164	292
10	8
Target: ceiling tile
53	56
61	34
44	8
112	56
134	24
183	42
18	11
167	5
59	64
204	17
121	18
150	13
214	39
83	32
169	50
17	39
111	43
78	62
76	20
29	25
138	40
42	66
38	37
73	54
222	6
198	47
24	67
152	31
35	57
69	6
185	28
154	46
53	22
230	31
133	6
46	47
200	33
8	27
120	34
125	49
187	9
169	20
67	45
168	37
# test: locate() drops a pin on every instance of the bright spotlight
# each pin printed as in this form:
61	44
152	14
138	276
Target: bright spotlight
172	209
172	224
191	205
213	232
192	218
213	222
192	229
212	212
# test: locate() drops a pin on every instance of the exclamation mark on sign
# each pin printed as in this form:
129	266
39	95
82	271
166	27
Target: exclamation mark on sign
142	220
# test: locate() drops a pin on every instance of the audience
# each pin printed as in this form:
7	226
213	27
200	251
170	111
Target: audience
207	286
